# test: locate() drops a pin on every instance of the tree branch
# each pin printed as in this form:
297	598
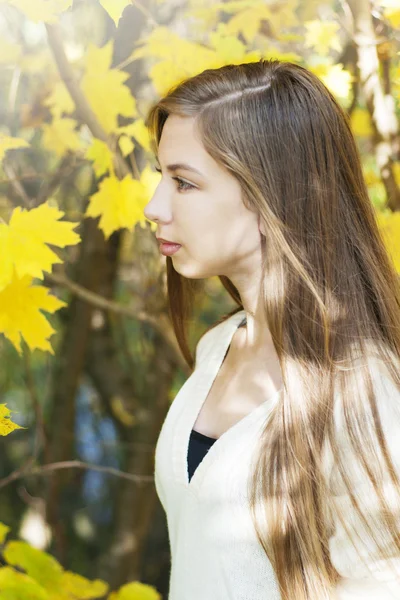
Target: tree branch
82	105
71	464
160	322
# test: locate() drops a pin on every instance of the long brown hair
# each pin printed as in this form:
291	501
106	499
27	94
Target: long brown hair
330	292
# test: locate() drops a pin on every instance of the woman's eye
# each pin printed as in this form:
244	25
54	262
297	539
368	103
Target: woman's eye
183	185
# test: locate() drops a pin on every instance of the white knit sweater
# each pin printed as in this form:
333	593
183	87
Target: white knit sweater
215	554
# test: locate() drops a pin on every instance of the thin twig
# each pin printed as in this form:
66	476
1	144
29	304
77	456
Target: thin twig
146	12
72	464
16	185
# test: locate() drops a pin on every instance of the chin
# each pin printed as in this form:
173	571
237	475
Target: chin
189	273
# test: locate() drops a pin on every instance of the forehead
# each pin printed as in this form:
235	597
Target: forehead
180	142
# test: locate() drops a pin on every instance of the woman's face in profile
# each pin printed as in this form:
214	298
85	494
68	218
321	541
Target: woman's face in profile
198	204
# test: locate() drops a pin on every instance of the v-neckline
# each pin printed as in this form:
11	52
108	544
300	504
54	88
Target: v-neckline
209	372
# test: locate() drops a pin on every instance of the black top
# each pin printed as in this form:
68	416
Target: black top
199	445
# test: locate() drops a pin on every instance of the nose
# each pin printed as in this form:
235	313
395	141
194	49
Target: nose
157	208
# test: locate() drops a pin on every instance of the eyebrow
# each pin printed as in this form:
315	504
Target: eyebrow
175	166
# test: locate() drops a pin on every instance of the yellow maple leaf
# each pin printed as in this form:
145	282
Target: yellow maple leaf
14	585
78	587
335	77
228	47
118	203
60	135
101	82
101	156
23	242
162	42
114	8
322	36
39	565
180	58
59	101
41	10
126	145
139	131
361	122
20	316
10	143
164	75
248	21
6	427
135	590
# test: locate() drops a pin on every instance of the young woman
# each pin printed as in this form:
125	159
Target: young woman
278	462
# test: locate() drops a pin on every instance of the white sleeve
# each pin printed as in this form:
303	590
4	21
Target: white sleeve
363	575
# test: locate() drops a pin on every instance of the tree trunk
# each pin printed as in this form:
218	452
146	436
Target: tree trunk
379	102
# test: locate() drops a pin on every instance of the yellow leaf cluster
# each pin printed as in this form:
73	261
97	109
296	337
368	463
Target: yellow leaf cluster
41	10
137	130
77	586
43	577
180	58
322	36
20	316
120	203
60	135
24	242
26	255
15	586
104	87
39	576
6	427
101	156
229	48
335	77
247	16
248	21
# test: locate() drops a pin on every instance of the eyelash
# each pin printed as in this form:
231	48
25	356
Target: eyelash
187	187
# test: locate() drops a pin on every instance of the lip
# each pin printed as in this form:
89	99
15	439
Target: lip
161	240
169	249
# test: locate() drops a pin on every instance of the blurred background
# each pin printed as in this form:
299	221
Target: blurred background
76	80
